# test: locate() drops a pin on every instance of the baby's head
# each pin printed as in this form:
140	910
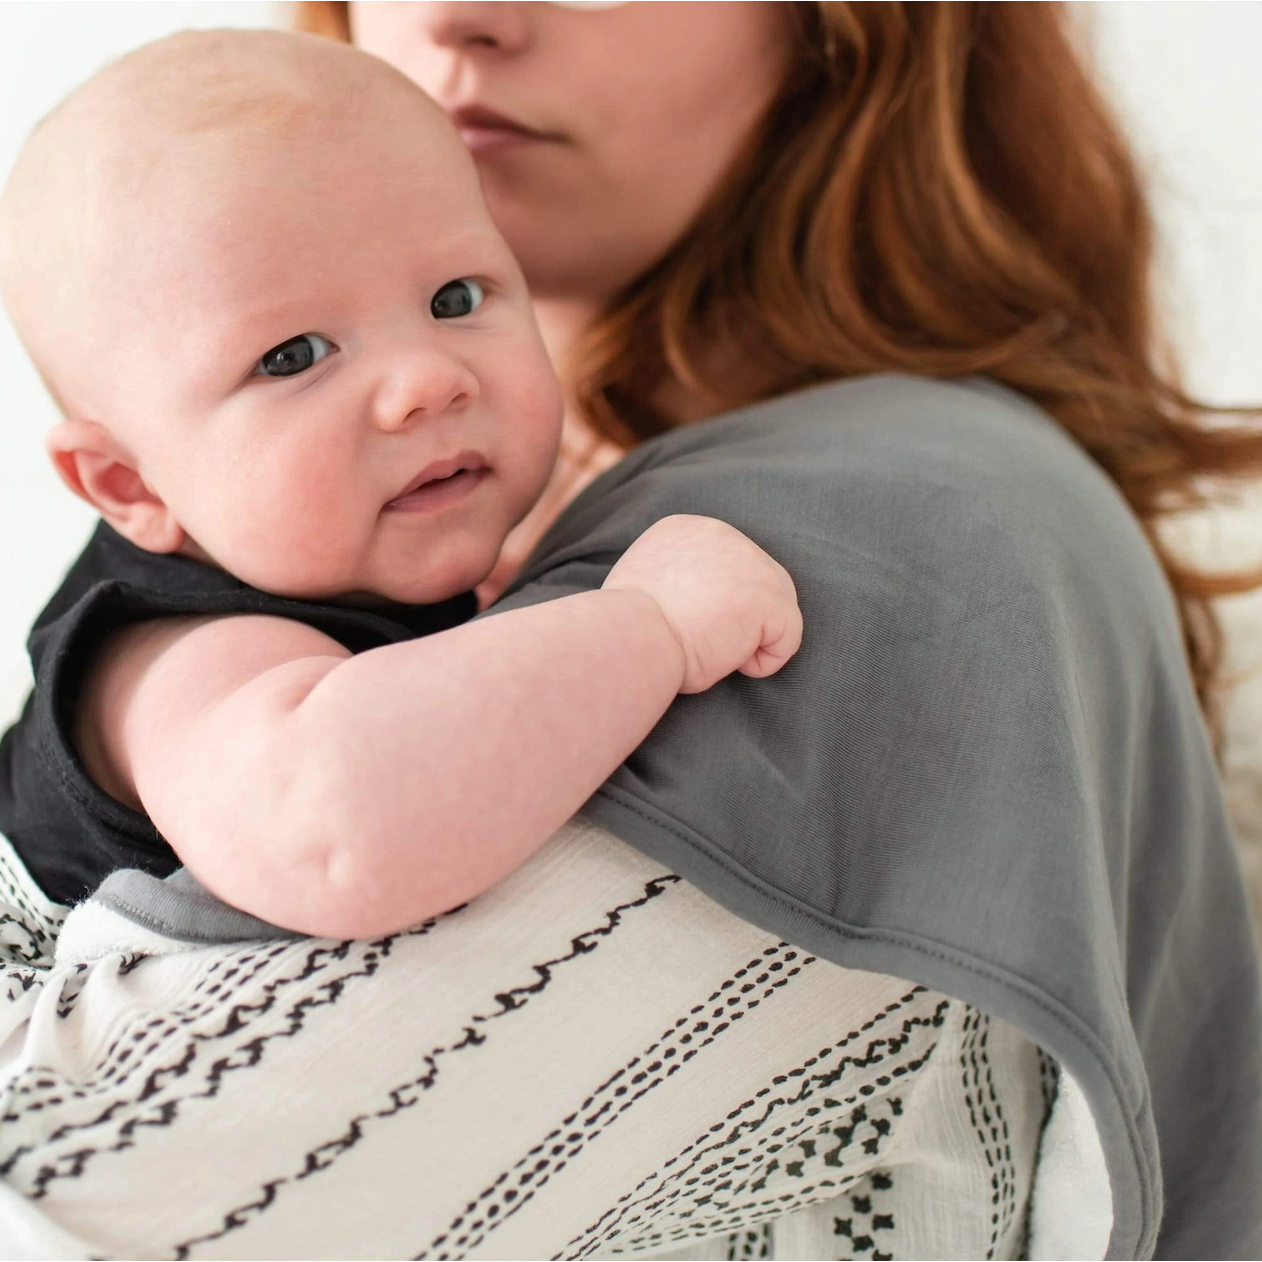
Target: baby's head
258	275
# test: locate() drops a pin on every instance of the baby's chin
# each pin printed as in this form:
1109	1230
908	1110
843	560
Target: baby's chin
418	585
400	594
410	583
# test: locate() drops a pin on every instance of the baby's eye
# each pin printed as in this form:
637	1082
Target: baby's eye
295	356
456	298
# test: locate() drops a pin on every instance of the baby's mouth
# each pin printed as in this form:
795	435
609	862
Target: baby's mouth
441	483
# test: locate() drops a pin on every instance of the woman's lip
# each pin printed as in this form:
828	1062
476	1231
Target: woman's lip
485	140
479	116
485	131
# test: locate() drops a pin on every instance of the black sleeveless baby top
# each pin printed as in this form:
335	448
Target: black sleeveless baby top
70	833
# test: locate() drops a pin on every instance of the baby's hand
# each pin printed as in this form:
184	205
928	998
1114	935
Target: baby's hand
729	604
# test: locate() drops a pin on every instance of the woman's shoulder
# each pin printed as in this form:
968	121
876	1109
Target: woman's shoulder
907	432
966	477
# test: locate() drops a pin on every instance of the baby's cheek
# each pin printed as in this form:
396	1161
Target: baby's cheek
298	532
330	522
535	420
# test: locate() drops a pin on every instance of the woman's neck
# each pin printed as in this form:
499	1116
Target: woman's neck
745	377
561	322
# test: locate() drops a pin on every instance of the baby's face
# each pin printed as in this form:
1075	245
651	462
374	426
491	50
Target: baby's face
324	360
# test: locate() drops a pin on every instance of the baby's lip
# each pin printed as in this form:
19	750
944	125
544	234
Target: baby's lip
467	461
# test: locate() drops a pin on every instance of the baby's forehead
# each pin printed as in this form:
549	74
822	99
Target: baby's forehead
210	98
205	88
196	80
127	156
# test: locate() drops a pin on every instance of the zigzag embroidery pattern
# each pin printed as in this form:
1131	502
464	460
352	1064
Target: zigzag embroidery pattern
496	1209
410	1093
205	1000
246	1055
41	924
878	1131
704	1147
21	945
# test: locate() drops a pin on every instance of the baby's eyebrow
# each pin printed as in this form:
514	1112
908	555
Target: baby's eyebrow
253	322
250	330
225	352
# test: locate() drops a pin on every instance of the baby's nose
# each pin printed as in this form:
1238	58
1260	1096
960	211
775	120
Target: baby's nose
422	391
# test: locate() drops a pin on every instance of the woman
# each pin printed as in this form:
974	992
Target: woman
987	772
753	200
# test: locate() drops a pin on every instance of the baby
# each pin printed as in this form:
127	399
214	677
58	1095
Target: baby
302	385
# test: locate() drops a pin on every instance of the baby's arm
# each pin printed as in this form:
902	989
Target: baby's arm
349	795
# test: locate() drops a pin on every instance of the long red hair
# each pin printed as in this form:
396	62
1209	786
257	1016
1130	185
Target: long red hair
939	189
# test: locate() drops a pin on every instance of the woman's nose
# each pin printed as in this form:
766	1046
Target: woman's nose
494	27
423	388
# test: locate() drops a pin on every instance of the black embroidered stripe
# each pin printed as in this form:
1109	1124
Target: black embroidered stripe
844	1135
14	890
757	1212
663	1058
705	1147
29	1090
160	1027
21	944
763	1220
777	1205
750	1244
869	1212
1049	1083
407	1094
19	980
766	1163
989	1122
224	973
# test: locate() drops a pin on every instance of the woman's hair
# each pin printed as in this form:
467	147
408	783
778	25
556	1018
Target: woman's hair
939	189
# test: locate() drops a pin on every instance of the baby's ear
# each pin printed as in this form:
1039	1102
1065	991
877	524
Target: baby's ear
101	470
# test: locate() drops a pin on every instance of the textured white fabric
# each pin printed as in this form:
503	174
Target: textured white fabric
591	1060
91	932
1073	1213
951	1183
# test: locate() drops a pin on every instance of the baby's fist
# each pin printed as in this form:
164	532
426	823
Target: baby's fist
729	604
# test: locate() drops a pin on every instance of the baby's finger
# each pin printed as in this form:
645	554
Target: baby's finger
775	650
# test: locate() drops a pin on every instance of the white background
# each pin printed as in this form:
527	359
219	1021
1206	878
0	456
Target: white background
1185	74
